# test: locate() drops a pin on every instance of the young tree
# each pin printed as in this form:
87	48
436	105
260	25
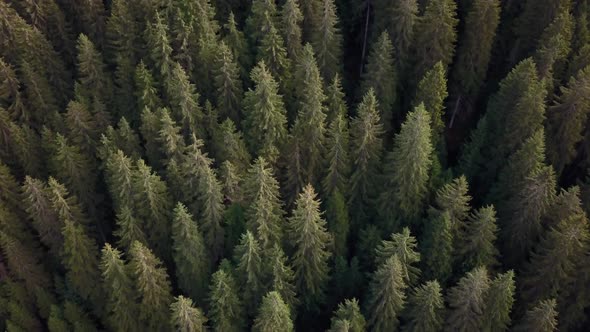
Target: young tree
499	299
425	308
152	285
381	76
189	253
186	317
477	245
116	276
264	215
348	314
435	35
542	318
265	115
387	298
226	311
467	301
309	237
432	91
249	271
407	169
273	315
403	245
366	148
326	38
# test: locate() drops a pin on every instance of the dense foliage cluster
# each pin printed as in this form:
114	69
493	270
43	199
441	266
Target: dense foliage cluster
312	165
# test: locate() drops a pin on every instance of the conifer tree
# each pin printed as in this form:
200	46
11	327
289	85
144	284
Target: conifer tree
499	300
522	224
186	317
425	308
467	301
189	253
554	44
335	100
184	100
477	245
407	169
282	276
435	35
249	270
43	218
274	54
152	285
565	120
291	18
381	76
399	18
146	92
348	314
226	311
454	198
308	133
158	41
326	38
403	245
263	15
235	40
338	158
228	84
118	285
95	84
309	237
82	127
338	222
552	265
387	298
119	177
273	315
264	215
11	98
230	146
265	115
438	245
475	48
542	317
366	148
432	91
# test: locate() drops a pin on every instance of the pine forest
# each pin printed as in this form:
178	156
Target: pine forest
295	165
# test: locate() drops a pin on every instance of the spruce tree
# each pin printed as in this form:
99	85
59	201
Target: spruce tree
542	317
225	307
249	271
273	315
467	301
399	18
158	41
265	115
184	101
432	91
118	285
264	215
146	92
228	84
387	298
335	100
273	53
554	44
189	253
438	246
152	285
229	146
337	163
475	48
235	40
435	35
552	265
263	14
338	222
407	170
186	317
348	314
381	76
291	18
326	40
366	148
309	237
476	247
95	84
282	276
425	308
499	300
454	198
565	120
403	245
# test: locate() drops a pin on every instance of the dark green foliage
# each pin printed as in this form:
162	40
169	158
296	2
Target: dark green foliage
425	308
326	38
499	300
348	317
467	301
399	18
387	298
476	246
249	270
432	91
282	276
542	318
273	315
226	311
338	222
403	245
187	318
438	246
454	198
